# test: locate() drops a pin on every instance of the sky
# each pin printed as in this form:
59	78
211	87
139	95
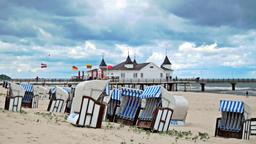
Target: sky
207	39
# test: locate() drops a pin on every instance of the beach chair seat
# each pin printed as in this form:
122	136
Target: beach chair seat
155	116
29	100
130	106
113	104
234	122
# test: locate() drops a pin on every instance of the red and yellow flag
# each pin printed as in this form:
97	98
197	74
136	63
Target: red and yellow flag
74	68
89	66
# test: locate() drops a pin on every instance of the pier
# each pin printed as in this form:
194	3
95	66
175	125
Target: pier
169	84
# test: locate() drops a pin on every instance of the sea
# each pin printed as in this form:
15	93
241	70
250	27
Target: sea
242	89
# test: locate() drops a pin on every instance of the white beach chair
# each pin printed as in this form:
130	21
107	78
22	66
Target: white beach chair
58	100
87	108
14	97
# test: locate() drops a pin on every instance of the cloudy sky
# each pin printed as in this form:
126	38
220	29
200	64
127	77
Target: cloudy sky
211	39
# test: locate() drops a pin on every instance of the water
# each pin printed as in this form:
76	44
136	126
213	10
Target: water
225	88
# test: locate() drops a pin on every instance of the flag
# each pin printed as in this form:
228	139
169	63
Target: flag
74	68
89	66
110	67
43	65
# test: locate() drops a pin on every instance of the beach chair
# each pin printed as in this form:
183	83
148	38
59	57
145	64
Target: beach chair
113	104
5	84
14	97
234	121
71	91
58	101
40	91
87	108
29	100
130	106
156	114
253	127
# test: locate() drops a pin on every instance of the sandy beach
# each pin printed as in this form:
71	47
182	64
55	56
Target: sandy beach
37	126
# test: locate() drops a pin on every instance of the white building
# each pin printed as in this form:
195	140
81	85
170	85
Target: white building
131	70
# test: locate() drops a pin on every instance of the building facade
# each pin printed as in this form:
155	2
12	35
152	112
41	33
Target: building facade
131	70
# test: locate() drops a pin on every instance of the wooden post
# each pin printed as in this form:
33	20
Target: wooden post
233	86
202	87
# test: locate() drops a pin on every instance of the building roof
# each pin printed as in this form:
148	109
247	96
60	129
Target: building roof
103	63
128	60
134	61
121	66
166	61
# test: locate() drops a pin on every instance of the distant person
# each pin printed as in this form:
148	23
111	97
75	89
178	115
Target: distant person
246	93
37	78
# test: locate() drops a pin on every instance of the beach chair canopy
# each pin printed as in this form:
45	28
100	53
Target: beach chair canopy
235	107
116	94
27	87
159	91
60	93
40	90
67	89
93	89
16	90
131	92
131	101
181	108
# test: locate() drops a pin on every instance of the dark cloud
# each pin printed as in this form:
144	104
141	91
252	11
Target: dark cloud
234	13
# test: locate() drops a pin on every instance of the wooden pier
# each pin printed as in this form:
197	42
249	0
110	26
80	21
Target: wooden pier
169	84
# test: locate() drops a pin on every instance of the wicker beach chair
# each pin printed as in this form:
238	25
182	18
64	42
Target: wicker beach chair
13	100
87	108
113	104
156	115
130	106
29	100
234	121
58	101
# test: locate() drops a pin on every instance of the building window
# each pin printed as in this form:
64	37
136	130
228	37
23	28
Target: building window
122	75
141	75
161	75
151	66
135	75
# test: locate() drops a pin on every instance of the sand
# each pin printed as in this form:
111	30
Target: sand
37	126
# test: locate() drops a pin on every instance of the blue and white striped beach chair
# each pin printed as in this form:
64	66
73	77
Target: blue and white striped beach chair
130	106
113	104
234	121
29	100
154	116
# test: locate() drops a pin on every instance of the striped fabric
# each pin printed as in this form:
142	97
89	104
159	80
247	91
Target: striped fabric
27	87
131	101
151	105
231	121
107	89
131	108
67	89
131	92
151	92
112	107
231	106
115	94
